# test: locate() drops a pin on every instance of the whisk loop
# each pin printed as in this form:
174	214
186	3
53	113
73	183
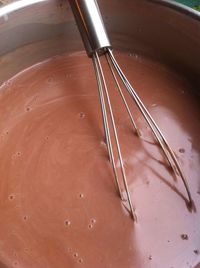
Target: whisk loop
97	45
102	86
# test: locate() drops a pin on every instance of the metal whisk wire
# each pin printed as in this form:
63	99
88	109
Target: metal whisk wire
103	90
168	152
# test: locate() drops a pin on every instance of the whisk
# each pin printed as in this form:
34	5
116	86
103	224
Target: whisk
90	23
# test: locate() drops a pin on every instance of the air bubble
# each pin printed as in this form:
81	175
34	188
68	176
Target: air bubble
82	115
67	223
25	218
93	221
11	197
90	226
184	236
80	260
182	150
81	195
75	255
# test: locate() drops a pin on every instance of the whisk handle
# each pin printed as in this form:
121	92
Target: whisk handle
91	26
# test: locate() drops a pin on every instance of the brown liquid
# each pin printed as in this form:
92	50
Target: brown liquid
58	200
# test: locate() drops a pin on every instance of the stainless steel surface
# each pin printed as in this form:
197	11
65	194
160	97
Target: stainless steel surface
159	29
94	36
90	24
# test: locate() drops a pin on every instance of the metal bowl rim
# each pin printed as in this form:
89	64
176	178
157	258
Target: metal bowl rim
13	7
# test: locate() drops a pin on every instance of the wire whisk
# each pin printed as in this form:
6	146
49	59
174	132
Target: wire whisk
97	45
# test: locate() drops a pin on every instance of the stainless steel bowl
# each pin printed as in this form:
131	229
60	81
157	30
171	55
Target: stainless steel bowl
31	31
34	30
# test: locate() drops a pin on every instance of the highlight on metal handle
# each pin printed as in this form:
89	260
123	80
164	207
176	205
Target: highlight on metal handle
91	26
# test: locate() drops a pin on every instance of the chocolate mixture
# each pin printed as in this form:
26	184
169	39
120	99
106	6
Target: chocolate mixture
58	199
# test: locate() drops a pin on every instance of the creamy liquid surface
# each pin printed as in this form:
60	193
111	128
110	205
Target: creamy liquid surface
58	200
